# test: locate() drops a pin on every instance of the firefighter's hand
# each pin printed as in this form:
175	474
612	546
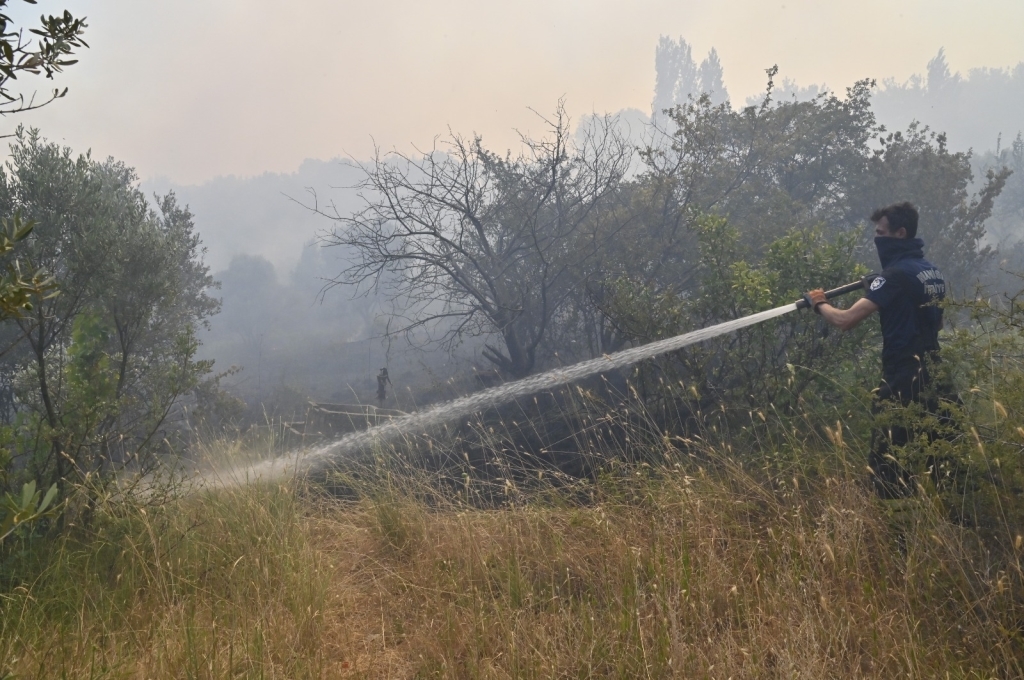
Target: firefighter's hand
814	298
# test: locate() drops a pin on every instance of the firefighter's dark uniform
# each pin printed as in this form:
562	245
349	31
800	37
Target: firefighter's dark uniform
906	292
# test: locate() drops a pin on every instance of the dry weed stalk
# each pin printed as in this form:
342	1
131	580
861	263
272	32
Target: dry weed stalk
682	562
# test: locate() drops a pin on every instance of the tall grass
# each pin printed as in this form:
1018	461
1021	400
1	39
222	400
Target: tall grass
688	561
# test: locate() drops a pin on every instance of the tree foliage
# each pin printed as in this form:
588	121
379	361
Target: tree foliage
918	164
47	50
775	362
97	370
561	253
17	288
58	37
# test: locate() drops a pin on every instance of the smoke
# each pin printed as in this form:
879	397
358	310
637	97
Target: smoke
423	421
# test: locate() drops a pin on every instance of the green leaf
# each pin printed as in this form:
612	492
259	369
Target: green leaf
28	492
23	230
51	493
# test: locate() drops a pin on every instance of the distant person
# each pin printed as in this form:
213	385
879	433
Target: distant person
382	386
906	295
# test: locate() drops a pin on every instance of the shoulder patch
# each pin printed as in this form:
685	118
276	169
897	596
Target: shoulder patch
877	283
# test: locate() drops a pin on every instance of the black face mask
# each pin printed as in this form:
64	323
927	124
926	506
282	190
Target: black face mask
891	249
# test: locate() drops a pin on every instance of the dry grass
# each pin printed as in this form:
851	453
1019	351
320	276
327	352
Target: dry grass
677	571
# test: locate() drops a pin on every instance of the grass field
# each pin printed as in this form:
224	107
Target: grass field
694	568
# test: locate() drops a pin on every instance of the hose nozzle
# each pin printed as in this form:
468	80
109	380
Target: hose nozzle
802	303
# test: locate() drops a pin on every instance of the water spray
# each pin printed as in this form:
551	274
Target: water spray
422	421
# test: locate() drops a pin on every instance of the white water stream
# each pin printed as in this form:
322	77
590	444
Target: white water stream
298	462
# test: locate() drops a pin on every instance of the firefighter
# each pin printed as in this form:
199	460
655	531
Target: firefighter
382	386
906	296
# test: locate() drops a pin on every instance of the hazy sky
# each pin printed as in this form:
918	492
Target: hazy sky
193	89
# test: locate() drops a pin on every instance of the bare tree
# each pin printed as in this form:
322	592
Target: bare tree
466	242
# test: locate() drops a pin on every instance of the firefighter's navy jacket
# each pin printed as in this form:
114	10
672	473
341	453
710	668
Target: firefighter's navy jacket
907	293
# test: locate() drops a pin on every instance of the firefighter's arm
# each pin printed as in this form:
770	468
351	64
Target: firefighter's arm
846	319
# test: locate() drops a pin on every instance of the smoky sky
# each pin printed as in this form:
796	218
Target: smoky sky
194	89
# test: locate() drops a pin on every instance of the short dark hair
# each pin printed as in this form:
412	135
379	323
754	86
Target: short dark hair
898	215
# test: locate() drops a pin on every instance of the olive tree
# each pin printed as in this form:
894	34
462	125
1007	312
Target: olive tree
97	369
46	50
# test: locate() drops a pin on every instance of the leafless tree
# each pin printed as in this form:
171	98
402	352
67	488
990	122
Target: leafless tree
467	242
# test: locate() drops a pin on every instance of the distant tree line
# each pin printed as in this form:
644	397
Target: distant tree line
679	78
980	110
